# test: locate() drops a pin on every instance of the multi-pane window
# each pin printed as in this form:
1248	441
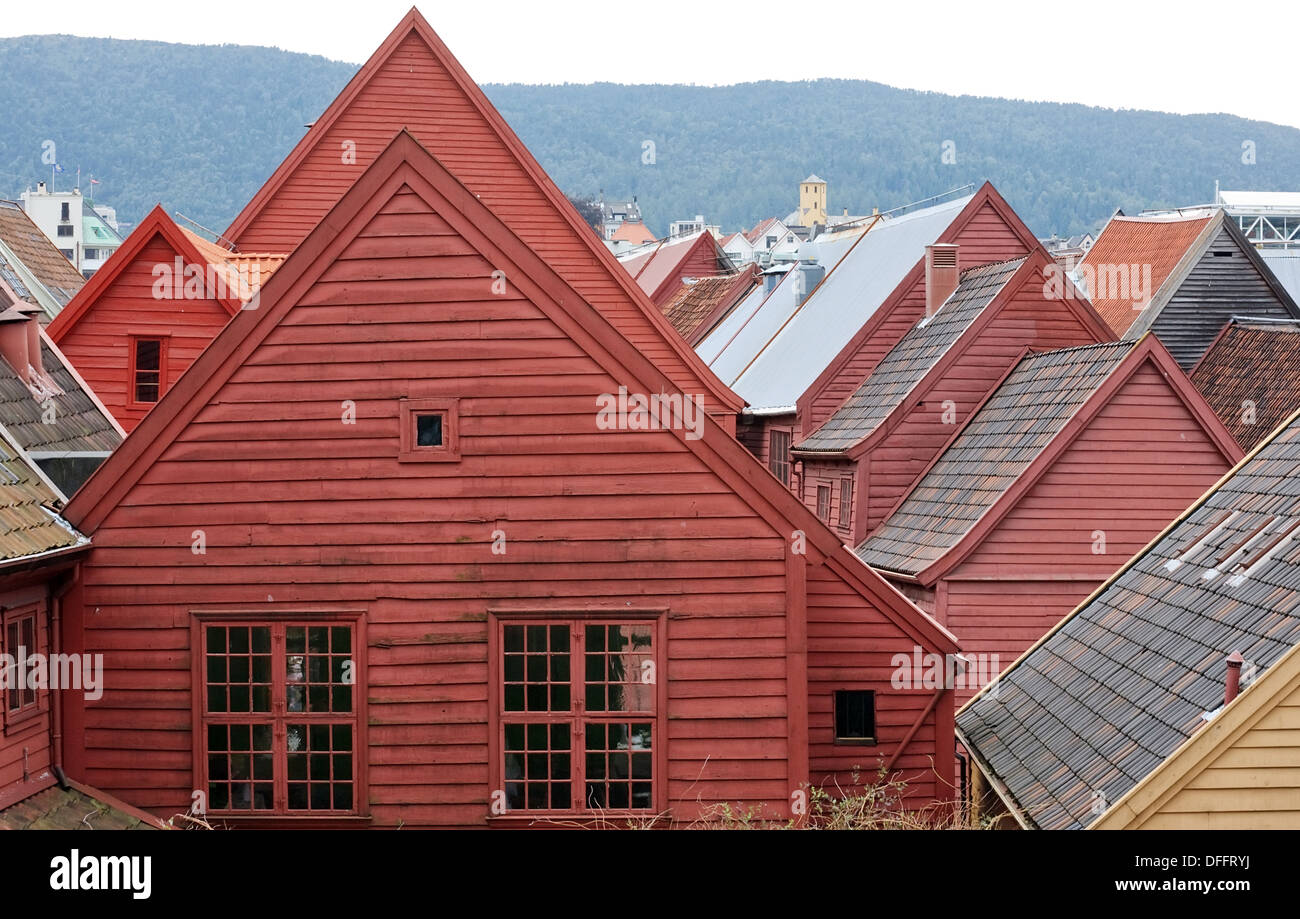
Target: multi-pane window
824	503
146	369
279	717
578	710
778	458
19	641
846	502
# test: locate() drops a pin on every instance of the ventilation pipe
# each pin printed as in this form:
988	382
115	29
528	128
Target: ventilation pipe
1232	685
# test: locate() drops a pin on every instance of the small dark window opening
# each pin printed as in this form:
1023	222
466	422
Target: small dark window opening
855	716
65	230
1221	253
147	370
63	213
428	430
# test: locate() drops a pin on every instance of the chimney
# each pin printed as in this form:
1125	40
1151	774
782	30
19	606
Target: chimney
40	188
941	275
1233	682
810	275
14	340
33	312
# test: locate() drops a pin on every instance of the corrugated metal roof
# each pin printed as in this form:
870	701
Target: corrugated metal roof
903	367
1125	680
995	447
1285	265
1256	362
778	355
29	525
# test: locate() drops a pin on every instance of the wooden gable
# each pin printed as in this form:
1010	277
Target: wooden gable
120	303
283	448
987	230
412	82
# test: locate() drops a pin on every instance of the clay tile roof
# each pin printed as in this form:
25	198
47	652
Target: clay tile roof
265	263
1257	362
40	256
996	446
707	299
57	808
634	232
1158	242
908	362
1123	682
79	425
755	234
28	524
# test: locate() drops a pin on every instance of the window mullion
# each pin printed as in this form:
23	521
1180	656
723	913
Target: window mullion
578	702
280	759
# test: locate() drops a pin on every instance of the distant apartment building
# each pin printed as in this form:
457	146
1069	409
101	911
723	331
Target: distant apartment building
614	214
85	234
693	226
1067	250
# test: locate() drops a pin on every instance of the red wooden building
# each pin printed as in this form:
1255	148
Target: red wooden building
387	556
144	317
799	364
1073	463
860	461
413	83
662	270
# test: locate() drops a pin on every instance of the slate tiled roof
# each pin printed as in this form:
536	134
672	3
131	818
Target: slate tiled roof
1156	241
77	424
28	523
1252	361
996	446
40	256
701	298
904	366
1123	682
66	809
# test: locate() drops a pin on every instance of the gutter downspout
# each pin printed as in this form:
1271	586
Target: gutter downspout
56	647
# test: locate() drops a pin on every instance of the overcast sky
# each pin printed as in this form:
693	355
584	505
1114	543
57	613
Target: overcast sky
1184	56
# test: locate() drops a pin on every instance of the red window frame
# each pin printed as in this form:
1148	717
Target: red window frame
572	726
30	702
409	412
778	456
133	375
287	710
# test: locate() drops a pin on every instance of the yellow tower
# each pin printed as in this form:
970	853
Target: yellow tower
812	201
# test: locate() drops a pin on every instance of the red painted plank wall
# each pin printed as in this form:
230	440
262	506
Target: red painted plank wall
1028	320
301	510
415	91
850	650
25	751
98	345
985	238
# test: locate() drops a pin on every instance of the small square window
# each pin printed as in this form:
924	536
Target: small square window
855	716
429	431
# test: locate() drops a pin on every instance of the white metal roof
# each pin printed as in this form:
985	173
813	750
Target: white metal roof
772	362
1285	265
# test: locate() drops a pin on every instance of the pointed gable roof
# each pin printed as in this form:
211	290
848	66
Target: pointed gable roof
701	303
660	273
1250	375
1007	444
1161	242
406	166
1123	682
155	225
413	82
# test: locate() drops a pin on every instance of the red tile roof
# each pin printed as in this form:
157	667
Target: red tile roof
634	232
1251	377
759	229
1156	241
703	302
